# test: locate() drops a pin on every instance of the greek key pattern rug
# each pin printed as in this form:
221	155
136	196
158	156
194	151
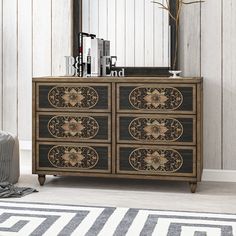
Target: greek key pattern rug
37	219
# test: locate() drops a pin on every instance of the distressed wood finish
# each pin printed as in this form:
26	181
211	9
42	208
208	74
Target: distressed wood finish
46	94
229	83
24	68
9	43
42	39
62	24
211	68
125	142
190	40
50	127
1	67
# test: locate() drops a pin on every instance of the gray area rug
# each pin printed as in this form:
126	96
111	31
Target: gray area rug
18	218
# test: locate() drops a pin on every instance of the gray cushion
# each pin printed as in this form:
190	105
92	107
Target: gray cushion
9	158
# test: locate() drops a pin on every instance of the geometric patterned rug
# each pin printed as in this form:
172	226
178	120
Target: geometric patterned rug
23	219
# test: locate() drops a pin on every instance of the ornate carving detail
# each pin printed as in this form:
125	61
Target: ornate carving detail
73	97
73	157
157	160
153	98
84	127
148	129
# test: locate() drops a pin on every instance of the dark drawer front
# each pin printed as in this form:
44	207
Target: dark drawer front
154	160
71	96
157	129
157	98
74	127
73	158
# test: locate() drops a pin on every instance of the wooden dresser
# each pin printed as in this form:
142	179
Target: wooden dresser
139	128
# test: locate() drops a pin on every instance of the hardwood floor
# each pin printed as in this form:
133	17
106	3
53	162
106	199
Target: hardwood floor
210	196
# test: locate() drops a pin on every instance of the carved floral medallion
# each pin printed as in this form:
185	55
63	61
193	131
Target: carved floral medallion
149	129
73	97
156	98
73	127
84	127
157	160
73	157
156	129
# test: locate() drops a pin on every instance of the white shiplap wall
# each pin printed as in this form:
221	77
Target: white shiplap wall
35	35
138	30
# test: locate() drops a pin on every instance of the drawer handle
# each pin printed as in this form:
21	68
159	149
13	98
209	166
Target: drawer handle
157	160
73	97
148	129
73	157
84	127
155	98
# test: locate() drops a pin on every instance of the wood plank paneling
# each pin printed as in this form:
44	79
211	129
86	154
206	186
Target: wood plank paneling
61	34
1	63
129	32
139	33
94	17
112	25
103	19
211	71
24	69
134	27
166	39
157	29
190	41
120	32
229	84
148	34
10	66
85	16
42	37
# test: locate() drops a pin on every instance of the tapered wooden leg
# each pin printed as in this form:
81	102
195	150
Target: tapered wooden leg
193	186
41	179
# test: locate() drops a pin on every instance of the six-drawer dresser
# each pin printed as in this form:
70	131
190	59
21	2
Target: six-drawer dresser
130	127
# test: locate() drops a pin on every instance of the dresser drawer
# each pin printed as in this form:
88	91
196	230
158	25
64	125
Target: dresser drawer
161	98
73	157
74	127
158	129
73	96
156	160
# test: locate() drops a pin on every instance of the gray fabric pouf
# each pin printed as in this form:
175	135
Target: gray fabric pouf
9	158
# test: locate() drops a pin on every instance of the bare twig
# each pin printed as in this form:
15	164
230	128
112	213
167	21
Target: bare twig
176	18
167	8
193	2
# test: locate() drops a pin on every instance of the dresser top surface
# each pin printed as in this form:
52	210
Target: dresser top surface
66	79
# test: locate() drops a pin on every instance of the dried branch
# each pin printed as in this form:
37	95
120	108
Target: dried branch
176	18
167	8
193	2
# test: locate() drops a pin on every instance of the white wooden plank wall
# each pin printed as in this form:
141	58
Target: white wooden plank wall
1	64
33	41
10	66
42	37
229	84
61	34
211	70
35	35
134	27
24	68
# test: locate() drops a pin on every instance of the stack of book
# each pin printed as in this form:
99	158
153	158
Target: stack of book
91	52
